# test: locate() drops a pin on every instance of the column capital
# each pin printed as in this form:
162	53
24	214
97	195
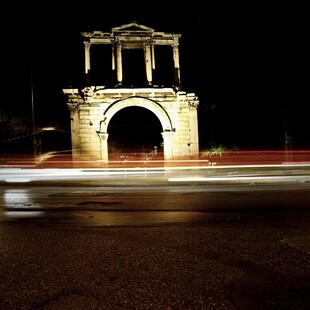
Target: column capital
73	107
168	133
193	104
149	42
87	44
102	135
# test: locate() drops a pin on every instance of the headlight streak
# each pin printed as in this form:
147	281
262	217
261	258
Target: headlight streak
236	178
23	214
172	174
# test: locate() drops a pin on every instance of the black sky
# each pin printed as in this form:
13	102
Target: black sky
248	63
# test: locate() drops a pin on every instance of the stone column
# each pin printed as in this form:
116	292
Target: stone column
119	68
75	130
153	60
113	65
87	63
148	62
177	76
103	136
168	150
153	57
193	125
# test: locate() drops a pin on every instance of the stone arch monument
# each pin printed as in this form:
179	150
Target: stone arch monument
93	107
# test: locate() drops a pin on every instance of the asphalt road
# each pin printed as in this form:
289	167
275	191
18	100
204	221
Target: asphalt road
152	246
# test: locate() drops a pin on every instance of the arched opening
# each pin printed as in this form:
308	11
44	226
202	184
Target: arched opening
135	132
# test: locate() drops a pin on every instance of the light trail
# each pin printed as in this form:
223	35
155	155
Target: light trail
247	179
170	174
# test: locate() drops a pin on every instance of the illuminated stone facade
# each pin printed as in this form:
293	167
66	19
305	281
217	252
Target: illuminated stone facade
93	107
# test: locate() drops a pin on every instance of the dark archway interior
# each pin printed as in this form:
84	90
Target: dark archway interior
134	129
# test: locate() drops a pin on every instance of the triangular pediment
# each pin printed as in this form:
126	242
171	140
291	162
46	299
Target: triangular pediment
132	27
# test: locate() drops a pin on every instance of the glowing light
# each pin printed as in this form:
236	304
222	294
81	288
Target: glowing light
18	198
17	180
48	128
170	173
236	178
23	214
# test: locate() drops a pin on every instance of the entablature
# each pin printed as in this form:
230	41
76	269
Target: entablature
130	35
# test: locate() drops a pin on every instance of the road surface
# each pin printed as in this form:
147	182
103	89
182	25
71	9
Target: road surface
140	245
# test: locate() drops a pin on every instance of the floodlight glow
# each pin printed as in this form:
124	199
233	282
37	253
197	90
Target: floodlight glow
17	180
48	128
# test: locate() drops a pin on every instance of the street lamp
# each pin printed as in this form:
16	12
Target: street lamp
47	129
287	139
42	157
33	123
38	139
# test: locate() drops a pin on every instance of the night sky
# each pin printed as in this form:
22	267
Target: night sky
248	64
